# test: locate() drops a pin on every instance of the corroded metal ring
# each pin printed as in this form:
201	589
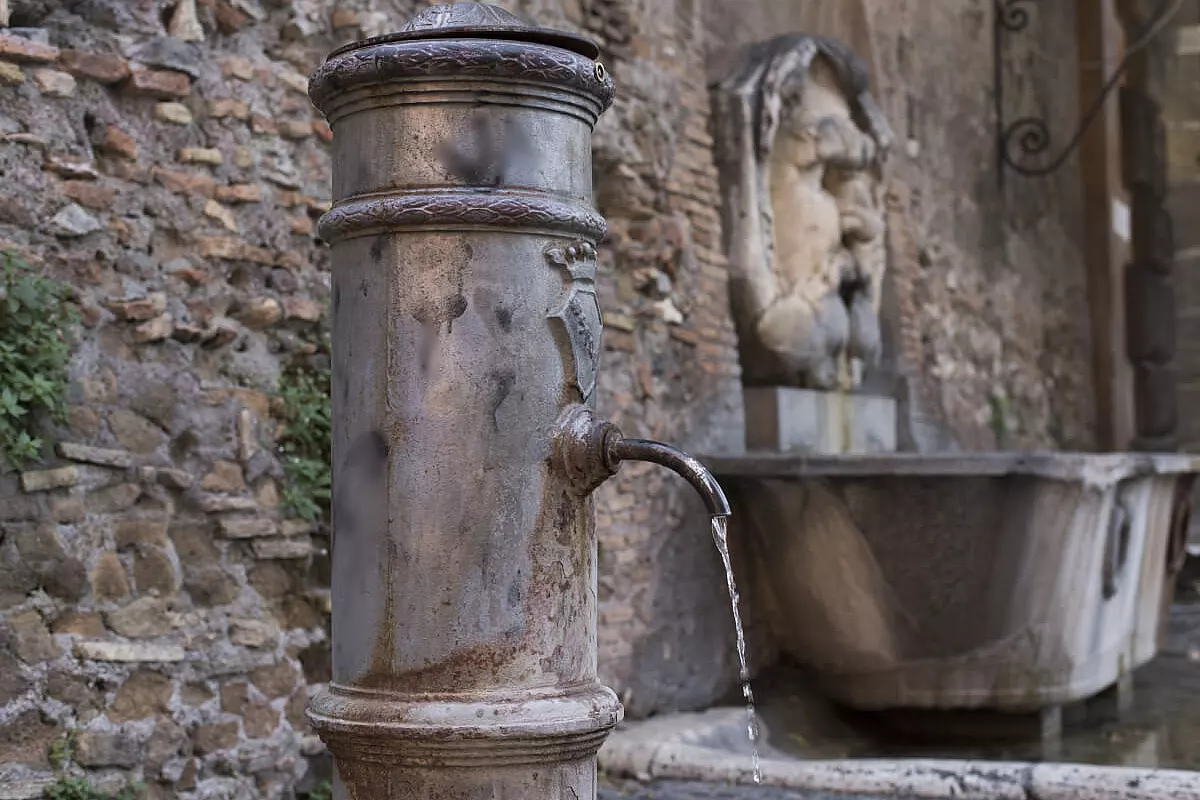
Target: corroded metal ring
361	217
553	67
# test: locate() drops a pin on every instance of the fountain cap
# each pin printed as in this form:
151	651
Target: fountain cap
476	21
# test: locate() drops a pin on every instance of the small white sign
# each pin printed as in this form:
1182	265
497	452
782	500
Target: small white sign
1121	222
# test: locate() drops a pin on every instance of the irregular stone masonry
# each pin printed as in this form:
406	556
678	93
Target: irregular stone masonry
154	600
158	603
161	157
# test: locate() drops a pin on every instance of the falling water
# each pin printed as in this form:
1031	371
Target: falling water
720	534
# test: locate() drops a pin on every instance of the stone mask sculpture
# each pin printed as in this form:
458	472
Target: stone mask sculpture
800	145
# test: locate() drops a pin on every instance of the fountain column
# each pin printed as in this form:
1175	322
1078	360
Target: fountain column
466	335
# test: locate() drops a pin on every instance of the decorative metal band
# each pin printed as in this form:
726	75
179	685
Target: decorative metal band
478	752
488	209
406	731
500	59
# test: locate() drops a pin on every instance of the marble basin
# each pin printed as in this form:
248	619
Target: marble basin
1006	581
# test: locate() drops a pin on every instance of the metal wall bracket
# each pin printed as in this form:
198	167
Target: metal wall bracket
1022	145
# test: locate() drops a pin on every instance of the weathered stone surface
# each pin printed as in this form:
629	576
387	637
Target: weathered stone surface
12	683
109	582
144	694
94	66
90	195
213	738
145	308
272	581
53	83
144	618
141	531
79	623
302	309
155	330
194	543
95	455
240	193
261	313
283	549
120	143
18	48
253	632
201	155
154	571
173	113
129	652
66	508
162	84
11	74
134	432
247	527
168	741
26	738
26	789
113	499
211	587
225	477
260	721
72	221
238	67
221	214
173	478
229	108
295	708
277	680
195	694
45	480
95	749
84	170
32	640
66	580
75	691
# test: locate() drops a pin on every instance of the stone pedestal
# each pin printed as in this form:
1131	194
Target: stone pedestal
781	419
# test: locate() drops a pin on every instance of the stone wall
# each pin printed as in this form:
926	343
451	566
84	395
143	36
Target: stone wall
157	605
1181	117
989	343
157	609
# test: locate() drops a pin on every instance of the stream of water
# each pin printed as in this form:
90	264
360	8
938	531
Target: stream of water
720	535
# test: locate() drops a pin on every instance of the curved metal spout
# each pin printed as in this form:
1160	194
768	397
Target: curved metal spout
620	449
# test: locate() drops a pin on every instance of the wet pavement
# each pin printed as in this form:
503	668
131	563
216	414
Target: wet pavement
672	790
1161	728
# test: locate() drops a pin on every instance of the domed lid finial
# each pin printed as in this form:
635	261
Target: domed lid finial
463	15
478	21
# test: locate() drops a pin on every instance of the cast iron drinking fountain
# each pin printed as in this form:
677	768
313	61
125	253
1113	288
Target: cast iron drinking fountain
467	335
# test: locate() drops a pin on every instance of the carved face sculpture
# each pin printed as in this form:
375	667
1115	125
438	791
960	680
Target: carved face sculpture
805	215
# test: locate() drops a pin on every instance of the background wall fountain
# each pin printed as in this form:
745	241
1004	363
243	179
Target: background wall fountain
985	580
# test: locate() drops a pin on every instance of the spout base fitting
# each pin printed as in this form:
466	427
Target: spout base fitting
417	731
581	443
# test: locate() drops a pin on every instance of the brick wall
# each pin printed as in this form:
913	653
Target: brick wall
1181	115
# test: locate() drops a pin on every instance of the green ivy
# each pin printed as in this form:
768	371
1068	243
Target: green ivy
62	755
80	789
322	791
35	350
306	441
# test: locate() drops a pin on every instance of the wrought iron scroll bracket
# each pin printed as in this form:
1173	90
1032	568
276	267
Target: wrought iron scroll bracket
1023	143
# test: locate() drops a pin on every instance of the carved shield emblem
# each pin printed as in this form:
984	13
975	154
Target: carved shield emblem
582	326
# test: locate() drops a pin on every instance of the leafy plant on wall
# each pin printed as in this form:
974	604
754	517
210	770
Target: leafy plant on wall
307	435
35	332
62	759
